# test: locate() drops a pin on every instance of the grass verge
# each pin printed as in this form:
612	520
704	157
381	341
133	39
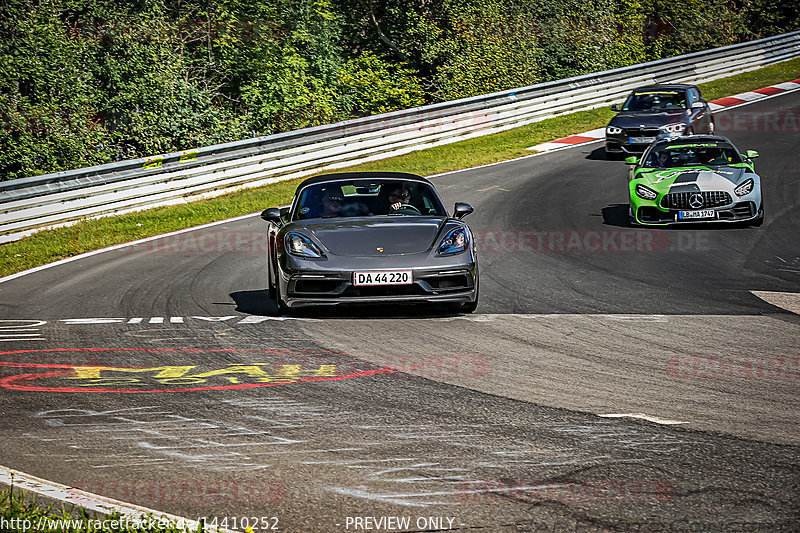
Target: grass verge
21	512
51	245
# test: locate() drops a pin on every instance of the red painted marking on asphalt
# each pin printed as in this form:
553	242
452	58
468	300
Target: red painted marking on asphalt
14	382
48	365
173	350
10	383
728	101
769	91
575	139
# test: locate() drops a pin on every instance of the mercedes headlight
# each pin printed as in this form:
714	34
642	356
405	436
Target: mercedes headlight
674	128
644	192
613	130
297	244
745	188
454	242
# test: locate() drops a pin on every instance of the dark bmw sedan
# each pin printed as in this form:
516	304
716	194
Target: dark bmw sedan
368	238
675	109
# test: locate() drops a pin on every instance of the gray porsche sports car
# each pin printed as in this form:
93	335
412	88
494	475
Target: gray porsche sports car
370	237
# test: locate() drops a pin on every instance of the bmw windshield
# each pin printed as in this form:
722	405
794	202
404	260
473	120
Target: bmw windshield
655	101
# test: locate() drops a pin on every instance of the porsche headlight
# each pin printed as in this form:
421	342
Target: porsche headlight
454	242
297	244
745	188
674	128
613	130
644	192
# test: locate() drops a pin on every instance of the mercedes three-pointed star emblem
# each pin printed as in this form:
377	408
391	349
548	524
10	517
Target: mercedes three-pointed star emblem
696	201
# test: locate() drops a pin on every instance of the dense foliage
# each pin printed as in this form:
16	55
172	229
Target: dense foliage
84	82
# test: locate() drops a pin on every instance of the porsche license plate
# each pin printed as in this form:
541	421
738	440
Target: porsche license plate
705	213
641	140
383	277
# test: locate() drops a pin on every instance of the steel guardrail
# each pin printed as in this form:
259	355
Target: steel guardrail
37	202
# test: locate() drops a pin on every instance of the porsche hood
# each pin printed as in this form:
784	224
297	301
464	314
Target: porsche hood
376	236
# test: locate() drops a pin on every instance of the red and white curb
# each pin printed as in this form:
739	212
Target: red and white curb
715	105
130	514
752	96
572	140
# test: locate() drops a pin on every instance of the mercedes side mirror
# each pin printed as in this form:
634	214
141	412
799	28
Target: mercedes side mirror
698	105
751	154
632	160
461	210
615	107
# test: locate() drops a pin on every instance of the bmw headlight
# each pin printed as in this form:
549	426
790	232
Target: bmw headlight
745	188
644	192
613	130
674	128
297	244
454	242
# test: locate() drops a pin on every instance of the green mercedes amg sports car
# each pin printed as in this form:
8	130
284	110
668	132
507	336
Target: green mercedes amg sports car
691	179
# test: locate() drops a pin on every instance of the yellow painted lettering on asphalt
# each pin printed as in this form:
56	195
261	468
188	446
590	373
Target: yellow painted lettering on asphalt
93	372
252	371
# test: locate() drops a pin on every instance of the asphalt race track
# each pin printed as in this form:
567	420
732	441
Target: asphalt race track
612	379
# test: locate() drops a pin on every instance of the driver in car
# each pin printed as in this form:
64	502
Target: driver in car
331	202
661	160
398	197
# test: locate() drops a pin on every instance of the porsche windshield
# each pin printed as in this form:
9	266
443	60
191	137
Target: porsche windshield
655	101
692	154
359	198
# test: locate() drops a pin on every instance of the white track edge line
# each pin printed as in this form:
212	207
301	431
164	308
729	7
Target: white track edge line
94	502
641	416
123	245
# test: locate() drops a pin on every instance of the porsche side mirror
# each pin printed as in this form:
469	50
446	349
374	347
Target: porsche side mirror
632	160
461	210
615	107
751	154
698	105
273	214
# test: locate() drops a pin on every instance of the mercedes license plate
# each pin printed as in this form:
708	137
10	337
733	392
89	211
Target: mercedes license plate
705	213
641	140
383	277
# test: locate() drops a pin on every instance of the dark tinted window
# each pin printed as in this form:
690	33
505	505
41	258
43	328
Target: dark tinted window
655	100
356	198
694	154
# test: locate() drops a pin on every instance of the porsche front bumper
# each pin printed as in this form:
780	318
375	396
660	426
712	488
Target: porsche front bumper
308	283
